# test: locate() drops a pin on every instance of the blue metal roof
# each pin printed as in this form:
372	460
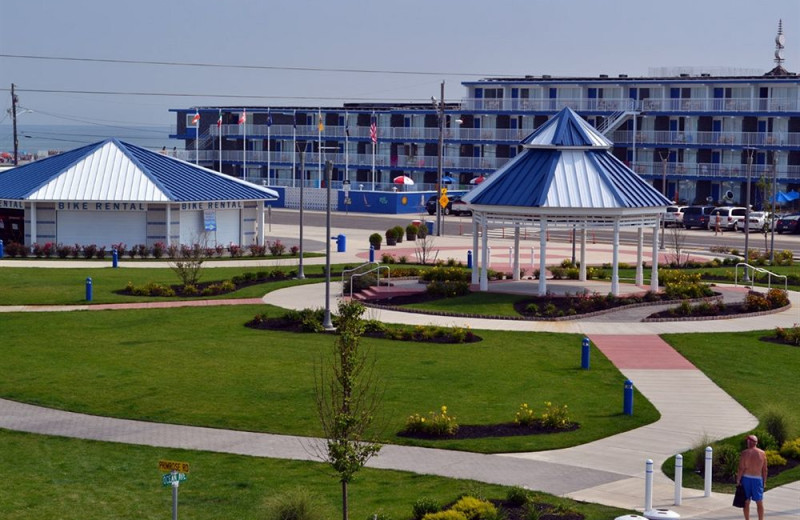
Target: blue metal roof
567	168
116	171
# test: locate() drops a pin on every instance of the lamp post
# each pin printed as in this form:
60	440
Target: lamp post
300	274
327	324
440	116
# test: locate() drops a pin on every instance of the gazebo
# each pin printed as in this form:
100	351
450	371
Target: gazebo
566	177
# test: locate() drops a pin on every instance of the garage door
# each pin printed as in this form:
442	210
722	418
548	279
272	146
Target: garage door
101	228
228	227
192	228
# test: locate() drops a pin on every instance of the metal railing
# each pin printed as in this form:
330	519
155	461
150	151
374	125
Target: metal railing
355	273
582	104
706	139
753	269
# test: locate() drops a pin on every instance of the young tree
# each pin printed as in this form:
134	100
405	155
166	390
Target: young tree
188	264
347	398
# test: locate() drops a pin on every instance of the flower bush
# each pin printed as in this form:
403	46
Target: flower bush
791	449
774	458
424	506
449	514
475	509
555	417
436	424
276	248
524	416
257	249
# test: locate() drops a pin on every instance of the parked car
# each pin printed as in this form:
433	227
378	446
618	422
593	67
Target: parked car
696	216
674	216
730	218
430	206
788	224
760	221
459	207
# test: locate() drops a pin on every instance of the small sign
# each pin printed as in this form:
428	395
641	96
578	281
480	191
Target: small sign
443	201
444	191
210	220
172	465
170	478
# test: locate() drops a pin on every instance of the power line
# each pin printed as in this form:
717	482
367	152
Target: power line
245	67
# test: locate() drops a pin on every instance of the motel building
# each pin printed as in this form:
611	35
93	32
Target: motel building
113	192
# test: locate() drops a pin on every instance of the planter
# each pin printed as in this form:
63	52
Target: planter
391	241
411	236
376	247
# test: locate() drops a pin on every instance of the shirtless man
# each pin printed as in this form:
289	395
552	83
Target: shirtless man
752	475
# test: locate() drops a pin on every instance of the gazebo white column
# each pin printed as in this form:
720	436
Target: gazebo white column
515	273
639	257
654	270
475	257
168	237
615	261
484	257
542	257
33	225
260	227
582	270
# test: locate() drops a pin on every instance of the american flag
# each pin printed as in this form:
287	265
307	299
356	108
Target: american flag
243	117
373	130
219	121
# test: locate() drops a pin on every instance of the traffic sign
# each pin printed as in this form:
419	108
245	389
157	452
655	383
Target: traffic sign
172	465
444	191
170	478
443	201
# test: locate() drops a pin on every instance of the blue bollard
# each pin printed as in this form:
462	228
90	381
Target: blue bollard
114	258
627	401
341	243
1	249
88	289
469	259
372	254
585	354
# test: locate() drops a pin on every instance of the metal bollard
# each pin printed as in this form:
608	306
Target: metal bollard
372	254
627	400
114	258
708	470
648	485
678	478
510	257
469	259
1	249
585	354
88	289
533	258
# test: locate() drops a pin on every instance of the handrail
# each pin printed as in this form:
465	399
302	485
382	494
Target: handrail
353	270
753	278
376	268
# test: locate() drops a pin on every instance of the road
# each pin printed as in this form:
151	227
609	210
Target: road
694	239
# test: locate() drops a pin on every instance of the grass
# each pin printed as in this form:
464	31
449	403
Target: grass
222	374
760	375
70	479
487	304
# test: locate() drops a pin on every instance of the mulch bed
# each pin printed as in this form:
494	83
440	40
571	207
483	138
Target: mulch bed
479	431
546	511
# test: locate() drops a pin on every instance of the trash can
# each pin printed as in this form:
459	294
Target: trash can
430	224
341	243
1	249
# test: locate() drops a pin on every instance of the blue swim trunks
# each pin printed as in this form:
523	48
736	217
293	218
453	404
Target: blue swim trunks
753	488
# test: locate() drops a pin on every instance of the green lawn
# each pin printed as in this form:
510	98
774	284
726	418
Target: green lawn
69	479
760	375
202	366
487	304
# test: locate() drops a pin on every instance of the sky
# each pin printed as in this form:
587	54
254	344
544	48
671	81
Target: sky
410	46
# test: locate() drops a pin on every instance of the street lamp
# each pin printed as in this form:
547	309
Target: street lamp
439	106
327	324
300	274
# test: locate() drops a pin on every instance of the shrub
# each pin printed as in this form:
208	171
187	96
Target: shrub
142	250
235	250
475	508
524	416
101	252
159	249
777	298
295	504
445	515
791	449
725	462
755	302
555	417
777	425
173	250
411	231
190	290
441	274
89	251
774	458
398	233
294	250
448	289
63	251
517	496
277	248
424	506
257	249
374	326
765	440
121	248
437	424
387	258
309	320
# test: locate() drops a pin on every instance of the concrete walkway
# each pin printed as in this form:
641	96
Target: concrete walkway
608	471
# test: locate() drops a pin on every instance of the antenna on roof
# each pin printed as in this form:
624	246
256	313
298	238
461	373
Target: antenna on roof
779	44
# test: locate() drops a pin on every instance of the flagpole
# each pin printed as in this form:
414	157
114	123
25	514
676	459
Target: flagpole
319	148
269	124
294	147
219	130
244	144
196	138
346	139
374	144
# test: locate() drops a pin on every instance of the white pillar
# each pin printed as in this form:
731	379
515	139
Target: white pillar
542	257
639	257
582	270
515	271
615	261
484	258
33	225
475	252
678	479
260	227
707	471
654	271
168	237
648	486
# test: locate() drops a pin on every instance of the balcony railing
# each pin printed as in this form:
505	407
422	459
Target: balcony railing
714	170
611	105
706	139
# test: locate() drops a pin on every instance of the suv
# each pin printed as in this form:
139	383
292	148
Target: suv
730	217
674	216
696	216
430	206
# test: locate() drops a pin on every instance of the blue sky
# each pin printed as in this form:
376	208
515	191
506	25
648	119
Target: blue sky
474	39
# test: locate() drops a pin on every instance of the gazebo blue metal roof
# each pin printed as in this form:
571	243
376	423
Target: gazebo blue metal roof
112	170
565	164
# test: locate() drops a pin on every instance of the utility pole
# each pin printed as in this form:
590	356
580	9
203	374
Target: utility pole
14	119
440	115
664	158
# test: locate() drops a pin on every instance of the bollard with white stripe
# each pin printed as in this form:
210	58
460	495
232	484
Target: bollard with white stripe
678	478
648	485
708	470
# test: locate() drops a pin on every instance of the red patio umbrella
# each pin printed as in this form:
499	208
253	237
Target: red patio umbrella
477	180
403	179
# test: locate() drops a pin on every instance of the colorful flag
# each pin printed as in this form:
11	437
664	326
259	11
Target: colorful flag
196	118
219	121
320	124
346	125
269	118
243	117
373	130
